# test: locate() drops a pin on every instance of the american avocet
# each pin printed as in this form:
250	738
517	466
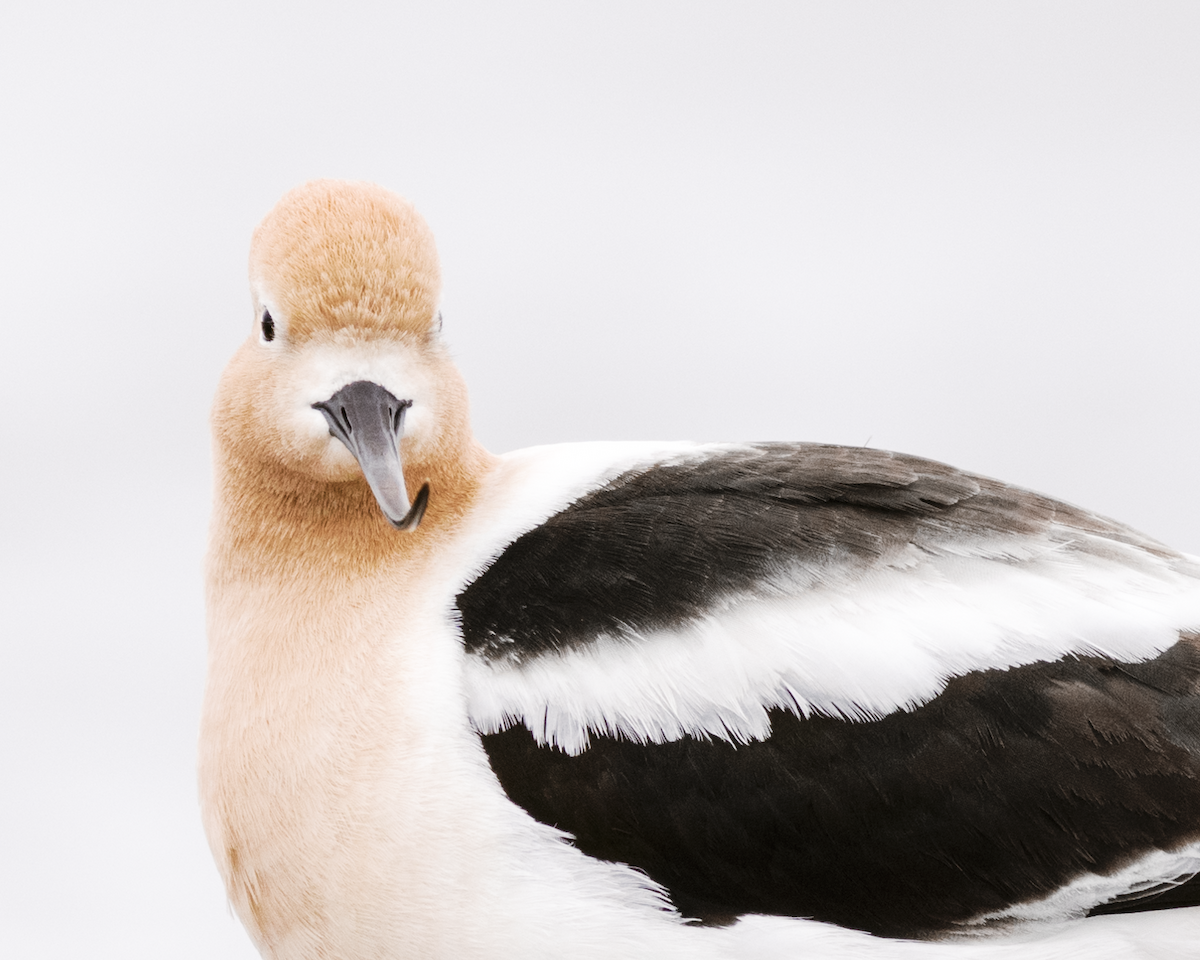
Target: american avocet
559	703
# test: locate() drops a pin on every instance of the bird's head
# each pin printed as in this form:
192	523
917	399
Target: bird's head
344	376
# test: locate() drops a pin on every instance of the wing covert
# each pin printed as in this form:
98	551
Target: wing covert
694	595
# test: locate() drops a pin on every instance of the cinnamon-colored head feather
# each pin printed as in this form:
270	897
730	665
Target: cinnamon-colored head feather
334	253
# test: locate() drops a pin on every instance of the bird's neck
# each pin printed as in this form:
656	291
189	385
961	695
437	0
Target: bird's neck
272	523
327	675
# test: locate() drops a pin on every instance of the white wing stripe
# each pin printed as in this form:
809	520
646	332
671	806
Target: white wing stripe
886	641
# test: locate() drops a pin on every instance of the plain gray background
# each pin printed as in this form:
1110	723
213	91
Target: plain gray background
964	230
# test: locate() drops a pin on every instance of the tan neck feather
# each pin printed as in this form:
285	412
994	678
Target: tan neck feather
299	727
272	522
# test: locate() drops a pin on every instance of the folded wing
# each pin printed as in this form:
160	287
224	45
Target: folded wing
843	683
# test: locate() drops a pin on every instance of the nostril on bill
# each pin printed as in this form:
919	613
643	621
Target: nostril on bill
346	421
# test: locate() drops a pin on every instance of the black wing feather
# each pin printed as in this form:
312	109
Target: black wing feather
660	546
1000	790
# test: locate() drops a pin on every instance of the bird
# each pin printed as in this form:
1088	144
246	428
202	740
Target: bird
617	700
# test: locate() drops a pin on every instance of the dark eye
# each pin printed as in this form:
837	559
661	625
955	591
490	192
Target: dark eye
268	326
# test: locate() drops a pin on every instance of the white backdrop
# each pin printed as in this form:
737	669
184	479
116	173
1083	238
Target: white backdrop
965	230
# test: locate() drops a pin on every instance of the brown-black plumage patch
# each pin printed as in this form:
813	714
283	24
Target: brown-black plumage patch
1000	790
663	545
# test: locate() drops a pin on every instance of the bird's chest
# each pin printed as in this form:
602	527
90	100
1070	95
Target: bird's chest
331	732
